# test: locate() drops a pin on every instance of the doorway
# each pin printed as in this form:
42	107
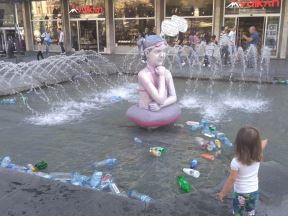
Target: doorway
88	35
243	25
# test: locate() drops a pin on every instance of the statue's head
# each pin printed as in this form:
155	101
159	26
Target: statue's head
154	49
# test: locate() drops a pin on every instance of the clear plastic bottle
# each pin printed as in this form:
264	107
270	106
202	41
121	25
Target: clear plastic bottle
138	140
61	176
95	179
8	101
141	197
114	189
6	162
79	180
110	162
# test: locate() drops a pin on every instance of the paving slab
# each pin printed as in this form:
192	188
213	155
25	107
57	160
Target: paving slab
24	194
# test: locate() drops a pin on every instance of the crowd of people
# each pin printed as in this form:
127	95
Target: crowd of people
204	45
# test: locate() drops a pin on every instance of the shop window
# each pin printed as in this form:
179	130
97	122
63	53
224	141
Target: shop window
46	10
6	15
133	9
252	6
126	30
193	8
39	28
230	22
132	17
87	9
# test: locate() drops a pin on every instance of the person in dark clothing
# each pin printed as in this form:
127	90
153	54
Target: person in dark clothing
254	37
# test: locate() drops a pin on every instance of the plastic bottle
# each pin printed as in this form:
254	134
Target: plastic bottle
208	156
211	146
8	101
114	189
31	168
209	131
61	176
282	82
193	164
42	174
106	180
114	99
78	179
142	197
156	151
191	172
183	184
138	140
95	179
110	162
218	143
6	161
41	165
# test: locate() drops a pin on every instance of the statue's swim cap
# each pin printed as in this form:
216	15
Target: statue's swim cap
153	41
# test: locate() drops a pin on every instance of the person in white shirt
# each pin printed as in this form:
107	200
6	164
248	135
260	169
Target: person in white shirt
244	171
61	40
39	48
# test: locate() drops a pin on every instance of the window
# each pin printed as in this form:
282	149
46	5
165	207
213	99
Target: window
132	17
6	15
194	8
198	13
46	15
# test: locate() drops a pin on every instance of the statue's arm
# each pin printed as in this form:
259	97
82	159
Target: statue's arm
172	97
158	95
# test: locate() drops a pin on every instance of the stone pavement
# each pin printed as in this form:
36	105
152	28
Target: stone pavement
24	194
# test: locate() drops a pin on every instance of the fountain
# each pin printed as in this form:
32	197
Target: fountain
73	115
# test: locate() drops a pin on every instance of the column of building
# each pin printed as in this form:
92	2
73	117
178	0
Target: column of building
109	21
284	34
218	17
66	25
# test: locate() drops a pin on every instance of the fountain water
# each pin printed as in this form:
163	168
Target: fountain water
79	120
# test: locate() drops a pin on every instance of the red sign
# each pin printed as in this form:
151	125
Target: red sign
254	4
86	9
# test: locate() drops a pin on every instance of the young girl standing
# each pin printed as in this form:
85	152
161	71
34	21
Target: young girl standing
244	171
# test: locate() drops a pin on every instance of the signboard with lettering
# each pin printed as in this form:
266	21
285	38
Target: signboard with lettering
87	9
258	4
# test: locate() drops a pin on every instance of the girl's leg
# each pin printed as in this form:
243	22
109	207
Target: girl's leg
250	203
238	204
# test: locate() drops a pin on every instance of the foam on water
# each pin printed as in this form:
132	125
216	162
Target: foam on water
219	107
247	104
190	102
72	110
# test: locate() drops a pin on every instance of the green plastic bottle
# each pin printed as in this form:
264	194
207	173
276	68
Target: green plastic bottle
282	81
183	184
41	165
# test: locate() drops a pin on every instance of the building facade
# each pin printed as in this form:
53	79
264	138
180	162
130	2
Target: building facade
111	26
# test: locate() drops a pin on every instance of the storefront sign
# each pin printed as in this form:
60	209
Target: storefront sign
254	4
74	8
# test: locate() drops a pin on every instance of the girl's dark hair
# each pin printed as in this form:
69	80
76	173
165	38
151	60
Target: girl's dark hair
248	145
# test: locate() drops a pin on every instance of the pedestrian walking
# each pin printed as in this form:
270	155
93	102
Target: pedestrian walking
61	40
39	48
